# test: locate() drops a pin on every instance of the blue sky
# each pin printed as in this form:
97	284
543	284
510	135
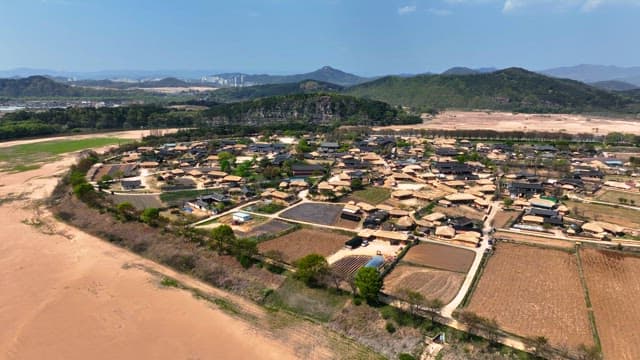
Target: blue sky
366	37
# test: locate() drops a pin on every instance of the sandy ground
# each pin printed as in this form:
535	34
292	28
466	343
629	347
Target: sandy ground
129	134
68	295
502	121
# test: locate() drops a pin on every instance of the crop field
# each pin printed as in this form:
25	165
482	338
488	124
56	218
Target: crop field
372	195
615	215
441	257
613	281
503	218
323	214
297	244
29	156
269	227
431	283
349	265
533	292
140	202
612	196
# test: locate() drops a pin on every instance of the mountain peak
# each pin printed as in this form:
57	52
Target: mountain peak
328	68
459	70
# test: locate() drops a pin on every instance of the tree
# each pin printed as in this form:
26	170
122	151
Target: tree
126	211
226	160
414	298
356	184
104	182
311	269
83	190
222	236
150	216
244	249
540	345
369	283
303	146
507	201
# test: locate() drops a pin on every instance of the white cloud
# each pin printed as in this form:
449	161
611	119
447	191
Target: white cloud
407	9
515	5
440	12
593	4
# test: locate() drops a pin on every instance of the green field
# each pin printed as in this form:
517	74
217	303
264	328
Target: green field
31	156
372	195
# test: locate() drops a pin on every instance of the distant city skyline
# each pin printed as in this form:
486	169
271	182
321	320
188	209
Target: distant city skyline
367	38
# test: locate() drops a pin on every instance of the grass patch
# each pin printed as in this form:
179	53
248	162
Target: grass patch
294	296
27	156
169	282
23	167
270	208
372	195
587	299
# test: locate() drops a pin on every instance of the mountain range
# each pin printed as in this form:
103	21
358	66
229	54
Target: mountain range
596	73
512	89
325	74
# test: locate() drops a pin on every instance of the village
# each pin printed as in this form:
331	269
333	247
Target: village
363	203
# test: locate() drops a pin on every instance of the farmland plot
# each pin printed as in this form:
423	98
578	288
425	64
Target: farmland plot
440	257
532	292
349	265
297	244
431	283
323	214
613	281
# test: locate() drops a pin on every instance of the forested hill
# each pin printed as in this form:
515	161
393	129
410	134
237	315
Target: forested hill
309	108
302	110
260	91
166	82
40	86
511	89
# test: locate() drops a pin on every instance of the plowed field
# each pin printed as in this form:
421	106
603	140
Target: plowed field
532	292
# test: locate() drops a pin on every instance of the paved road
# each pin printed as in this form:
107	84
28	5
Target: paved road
447	310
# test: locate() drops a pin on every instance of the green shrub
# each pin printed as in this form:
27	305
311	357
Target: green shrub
405	356
390	327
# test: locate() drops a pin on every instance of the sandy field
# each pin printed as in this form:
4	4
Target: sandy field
130	134
68	295
614	287
502	121
534	292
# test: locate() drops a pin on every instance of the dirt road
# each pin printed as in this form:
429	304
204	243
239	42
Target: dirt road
68	295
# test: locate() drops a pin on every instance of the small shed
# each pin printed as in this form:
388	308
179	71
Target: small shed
241	217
